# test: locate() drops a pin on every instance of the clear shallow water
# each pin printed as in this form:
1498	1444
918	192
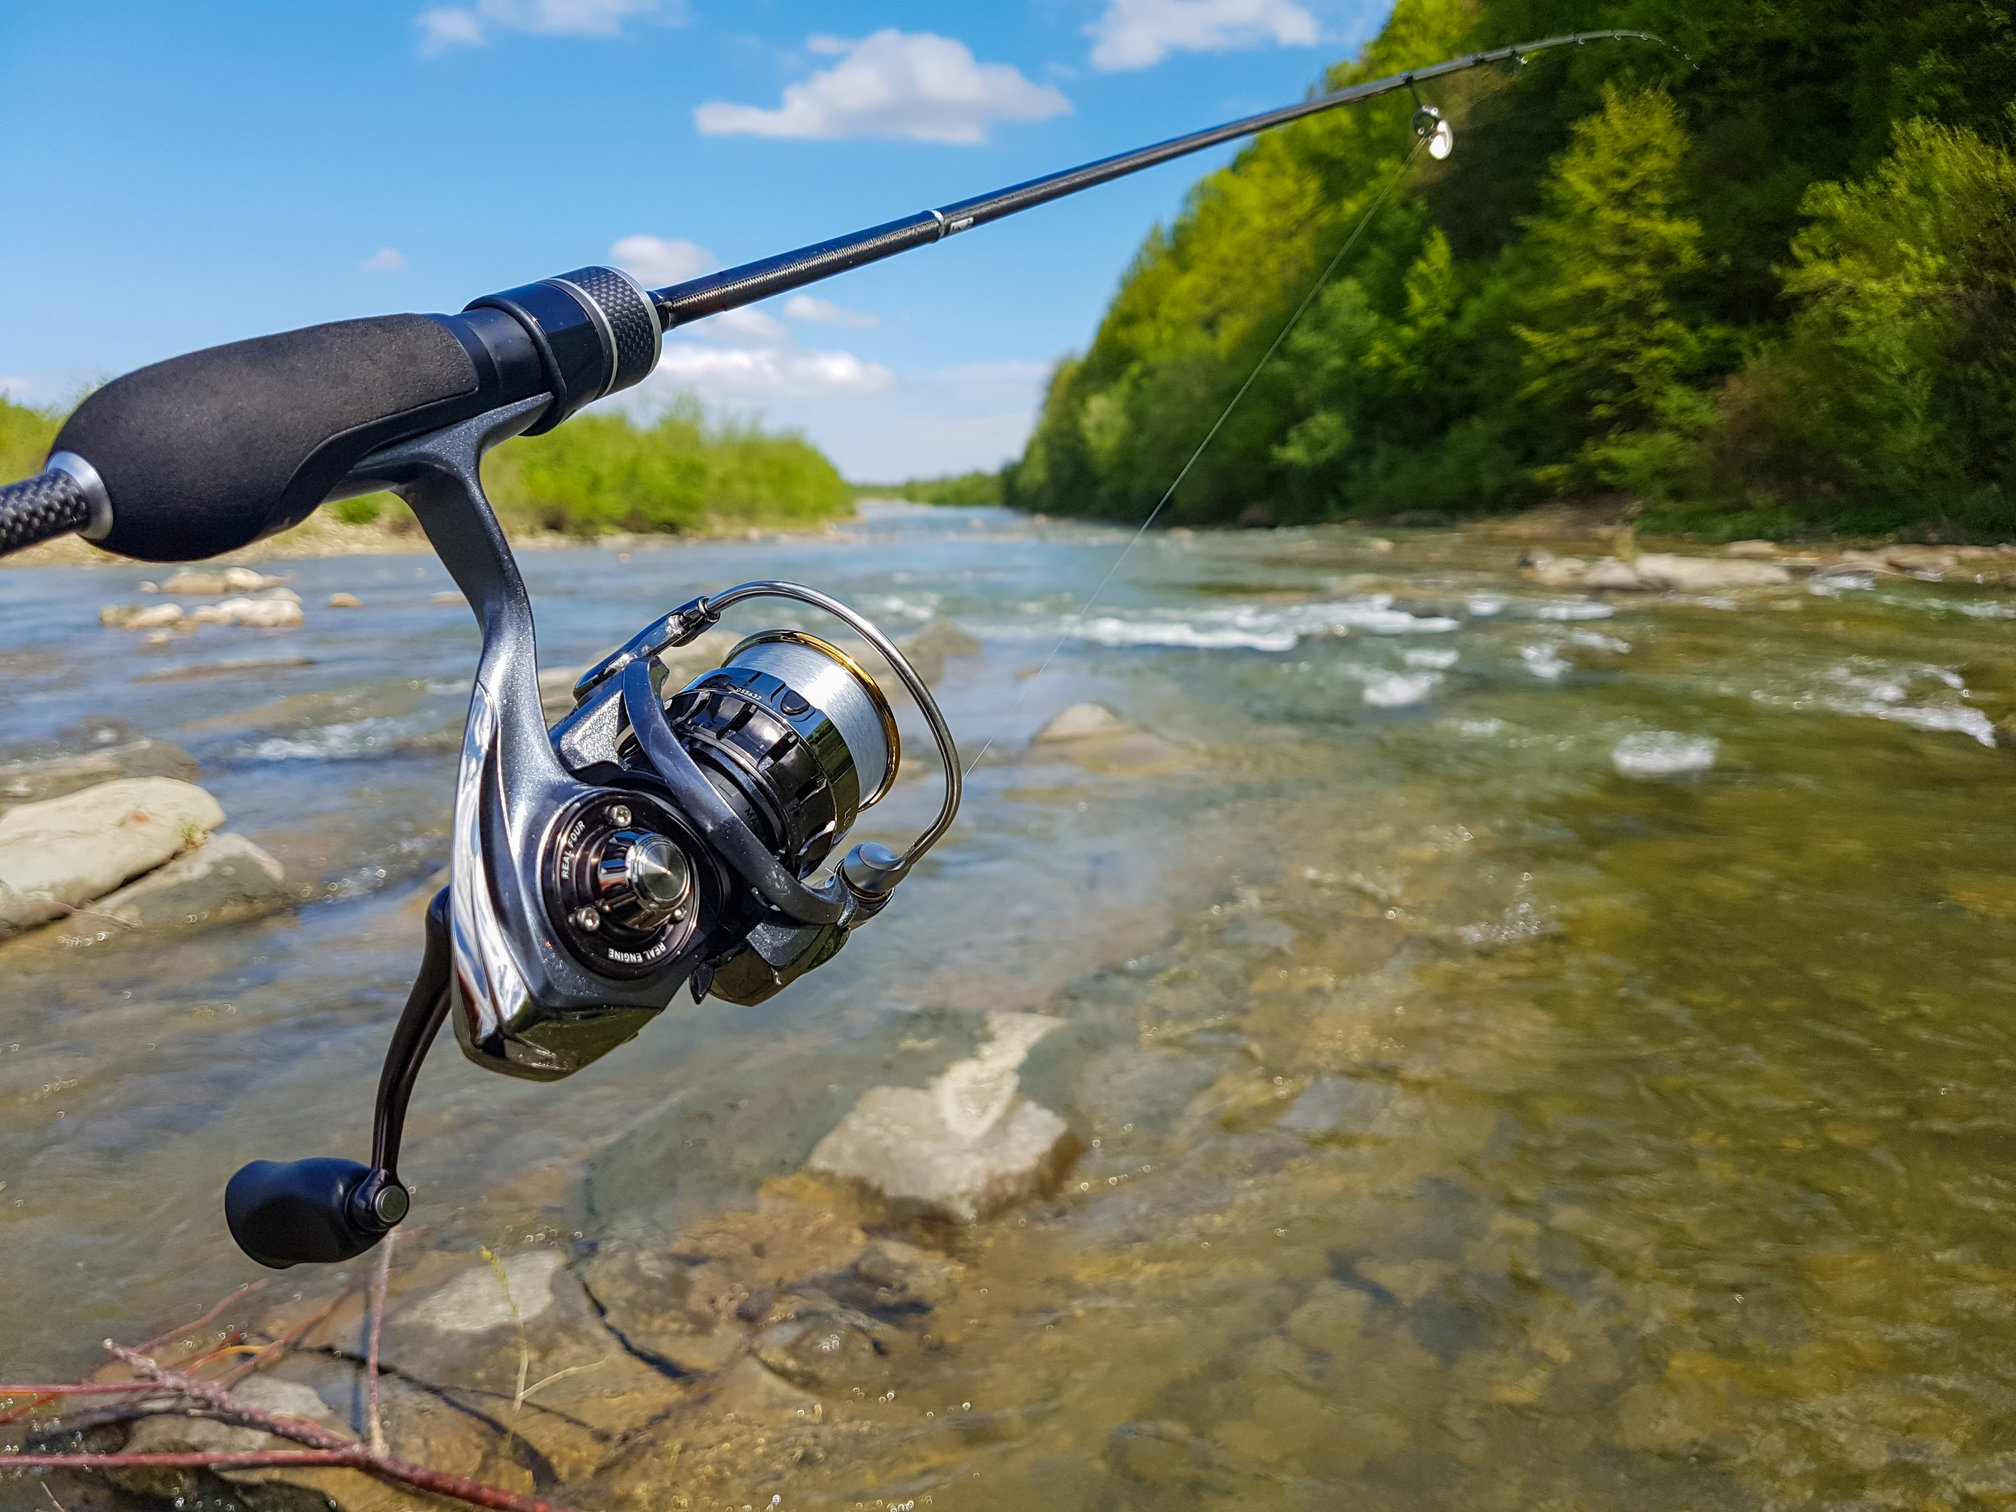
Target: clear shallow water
1539	1055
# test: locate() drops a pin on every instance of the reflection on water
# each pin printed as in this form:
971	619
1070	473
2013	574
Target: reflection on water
1535	1053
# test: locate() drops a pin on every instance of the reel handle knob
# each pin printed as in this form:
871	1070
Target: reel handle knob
317	1212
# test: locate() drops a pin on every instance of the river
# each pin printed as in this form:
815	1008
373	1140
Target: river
1531	1051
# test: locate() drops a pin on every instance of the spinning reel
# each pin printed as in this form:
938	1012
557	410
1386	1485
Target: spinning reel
656	838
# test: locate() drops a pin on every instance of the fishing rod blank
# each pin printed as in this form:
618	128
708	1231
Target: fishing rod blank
209	452
698	298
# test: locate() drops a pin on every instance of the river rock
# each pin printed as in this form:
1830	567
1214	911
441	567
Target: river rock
140	616
1756	550
967	1146
269	613
1094	737
524	1317
52	776
199	582
1551	571
1336	1105
180	1433
345	601
1615	575
227	878
928	647
1694	573
66	852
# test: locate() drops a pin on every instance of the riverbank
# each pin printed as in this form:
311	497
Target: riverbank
395	532
322	534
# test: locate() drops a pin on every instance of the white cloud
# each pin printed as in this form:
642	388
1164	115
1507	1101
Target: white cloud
824	312
893	84
448	27
384	260
1141	33
657	260
742	327
746	373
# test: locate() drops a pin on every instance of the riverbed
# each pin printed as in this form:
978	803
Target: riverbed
1531	1049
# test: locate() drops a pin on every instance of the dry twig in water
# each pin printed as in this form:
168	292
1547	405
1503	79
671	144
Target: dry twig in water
324	1448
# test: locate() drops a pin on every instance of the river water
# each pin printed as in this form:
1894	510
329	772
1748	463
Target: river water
1531	1052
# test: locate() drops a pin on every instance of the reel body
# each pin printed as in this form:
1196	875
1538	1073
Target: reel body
653	840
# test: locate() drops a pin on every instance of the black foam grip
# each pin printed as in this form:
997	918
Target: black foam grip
210	452
39	508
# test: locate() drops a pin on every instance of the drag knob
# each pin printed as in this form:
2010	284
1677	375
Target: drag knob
641	879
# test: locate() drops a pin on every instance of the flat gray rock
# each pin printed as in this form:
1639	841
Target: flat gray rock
1337	1105
228	878
965	1147
73	850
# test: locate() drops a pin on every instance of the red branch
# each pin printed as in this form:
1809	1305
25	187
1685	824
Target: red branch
325	1449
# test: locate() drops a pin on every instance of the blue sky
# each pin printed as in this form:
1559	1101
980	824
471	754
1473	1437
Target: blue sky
178	175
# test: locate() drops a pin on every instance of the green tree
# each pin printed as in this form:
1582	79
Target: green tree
1606	263
1891	399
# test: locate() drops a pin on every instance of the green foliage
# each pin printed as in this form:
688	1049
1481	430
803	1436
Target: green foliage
1776	288
971	490
25	434
1893	392
679	473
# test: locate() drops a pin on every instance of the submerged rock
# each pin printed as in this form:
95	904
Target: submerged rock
965	1147
47	777
227	878
67	852
345	601
1337	1105
928	647
1094	737
1086	721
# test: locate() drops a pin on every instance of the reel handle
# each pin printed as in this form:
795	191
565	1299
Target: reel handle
322	1210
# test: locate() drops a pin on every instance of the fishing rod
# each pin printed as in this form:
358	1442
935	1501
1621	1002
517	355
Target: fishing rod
648	841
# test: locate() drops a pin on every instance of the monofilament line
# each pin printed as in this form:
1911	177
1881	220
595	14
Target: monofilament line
1072	620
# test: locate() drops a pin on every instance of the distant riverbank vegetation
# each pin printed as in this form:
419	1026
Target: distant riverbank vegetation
677	473
969	489
1773	293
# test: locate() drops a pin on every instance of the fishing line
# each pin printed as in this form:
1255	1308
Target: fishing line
1075	620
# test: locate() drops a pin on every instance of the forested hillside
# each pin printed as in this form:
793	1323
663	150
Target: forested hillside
1772	292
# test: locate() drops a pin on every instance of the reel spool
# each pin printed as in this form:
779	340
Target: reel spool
649	841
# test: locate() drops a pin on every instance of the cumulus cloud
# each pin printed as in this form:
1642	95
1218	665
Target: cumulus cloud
758	373
893	84
657	260
742	327
818	311
384	260
1141	33
445	28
